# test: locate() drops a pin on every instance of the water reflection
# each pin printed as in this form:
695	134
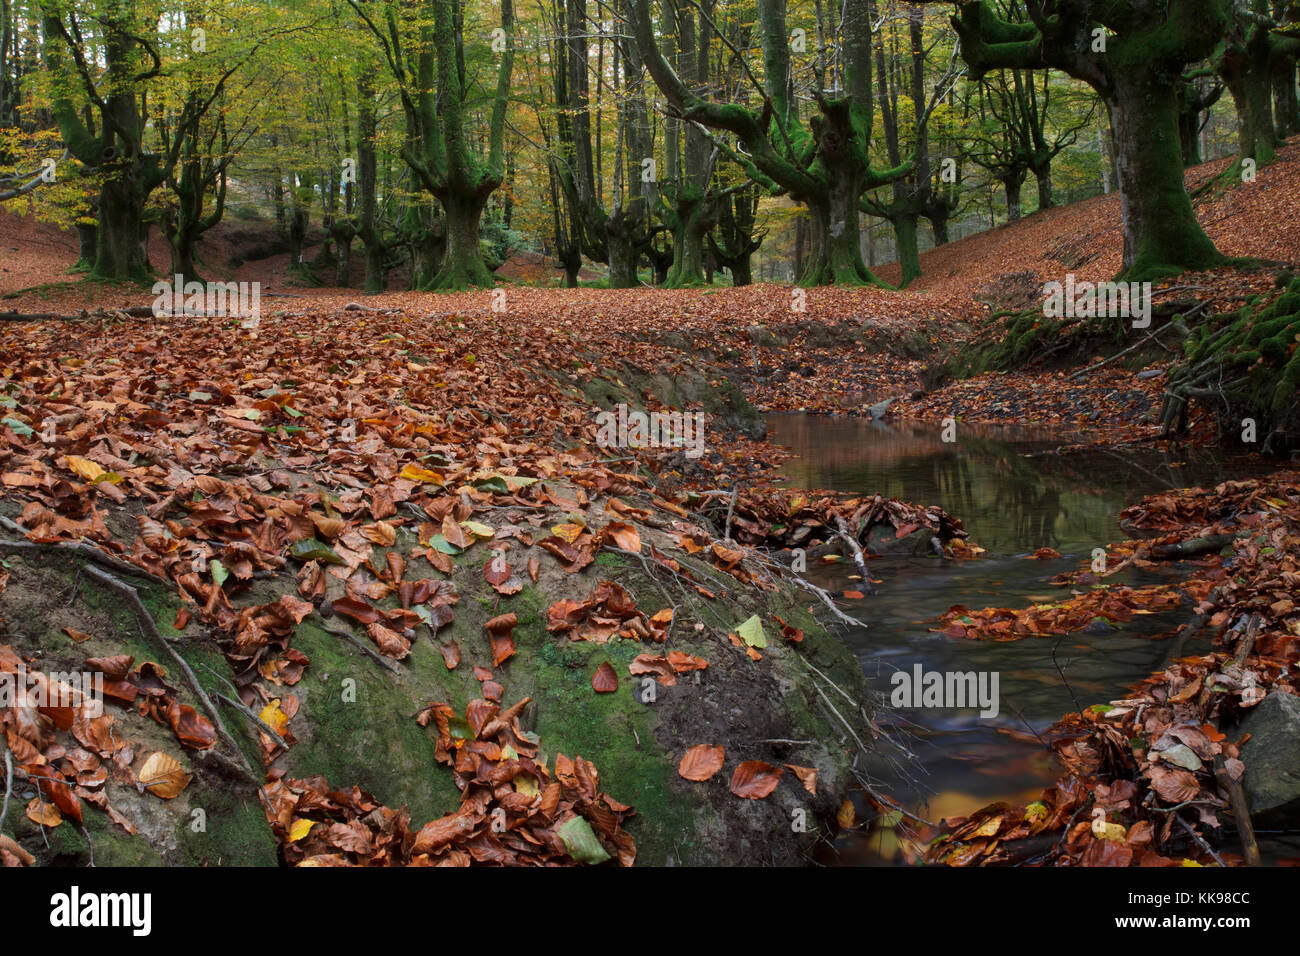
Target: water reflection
1004	482
1014	495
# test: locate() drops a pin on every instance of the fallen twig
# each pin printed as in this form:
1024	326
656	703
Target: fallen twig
147	622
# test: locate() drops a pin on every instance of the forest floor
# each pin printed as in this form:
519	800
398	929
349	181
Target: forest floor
364	529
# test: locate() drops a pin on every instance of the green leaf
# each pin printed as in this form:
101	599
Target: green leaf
460	728
309	549
18	427
443	545
580	840
218	572
751	632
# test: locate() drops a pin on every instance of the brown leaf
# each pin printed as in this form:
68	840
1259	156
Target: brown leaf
604	680
755	779
500	631
701	762
807	776
163	776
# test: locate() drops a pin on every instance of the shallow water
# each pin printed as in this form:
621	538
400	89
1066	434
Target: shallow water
1014	494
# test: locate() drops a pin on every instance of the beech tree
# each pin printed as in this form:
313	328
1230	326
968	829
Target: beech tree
1133	53
619	234
822	163
108	136
1258	64
424	48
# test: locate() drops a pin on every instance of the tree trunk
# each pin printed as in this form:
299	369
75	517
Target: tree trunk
1161	234
909	256
182	245
622	232
1044	178
344	232
376	275
462	261
742	270
428	247
1189	138
1012	182
1250	85
118	252
939	225
572	266
692	219
835	253
86	245
1286	107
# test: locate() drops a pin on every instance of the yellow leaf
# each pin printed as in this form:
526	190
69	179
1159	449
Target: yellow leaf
569	532
478	529
44	813
300	829
275	717
414	472
85	468
163	776
846	816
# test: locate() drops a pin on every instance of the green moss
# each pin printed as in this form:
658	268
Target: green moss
374	740
67	846
616	733
236	832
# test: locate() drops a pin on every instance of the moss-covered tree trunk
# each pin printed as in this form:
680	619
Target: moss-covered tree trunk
1245	69
1013	180
687	268
441	141
623	233
368	226
462	262
909	256
1161	232
1286	106
1043	174
118	252
823	165
1137	74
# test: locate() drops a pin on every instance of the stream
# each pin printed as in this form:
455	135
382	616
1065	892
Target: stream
1014	495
